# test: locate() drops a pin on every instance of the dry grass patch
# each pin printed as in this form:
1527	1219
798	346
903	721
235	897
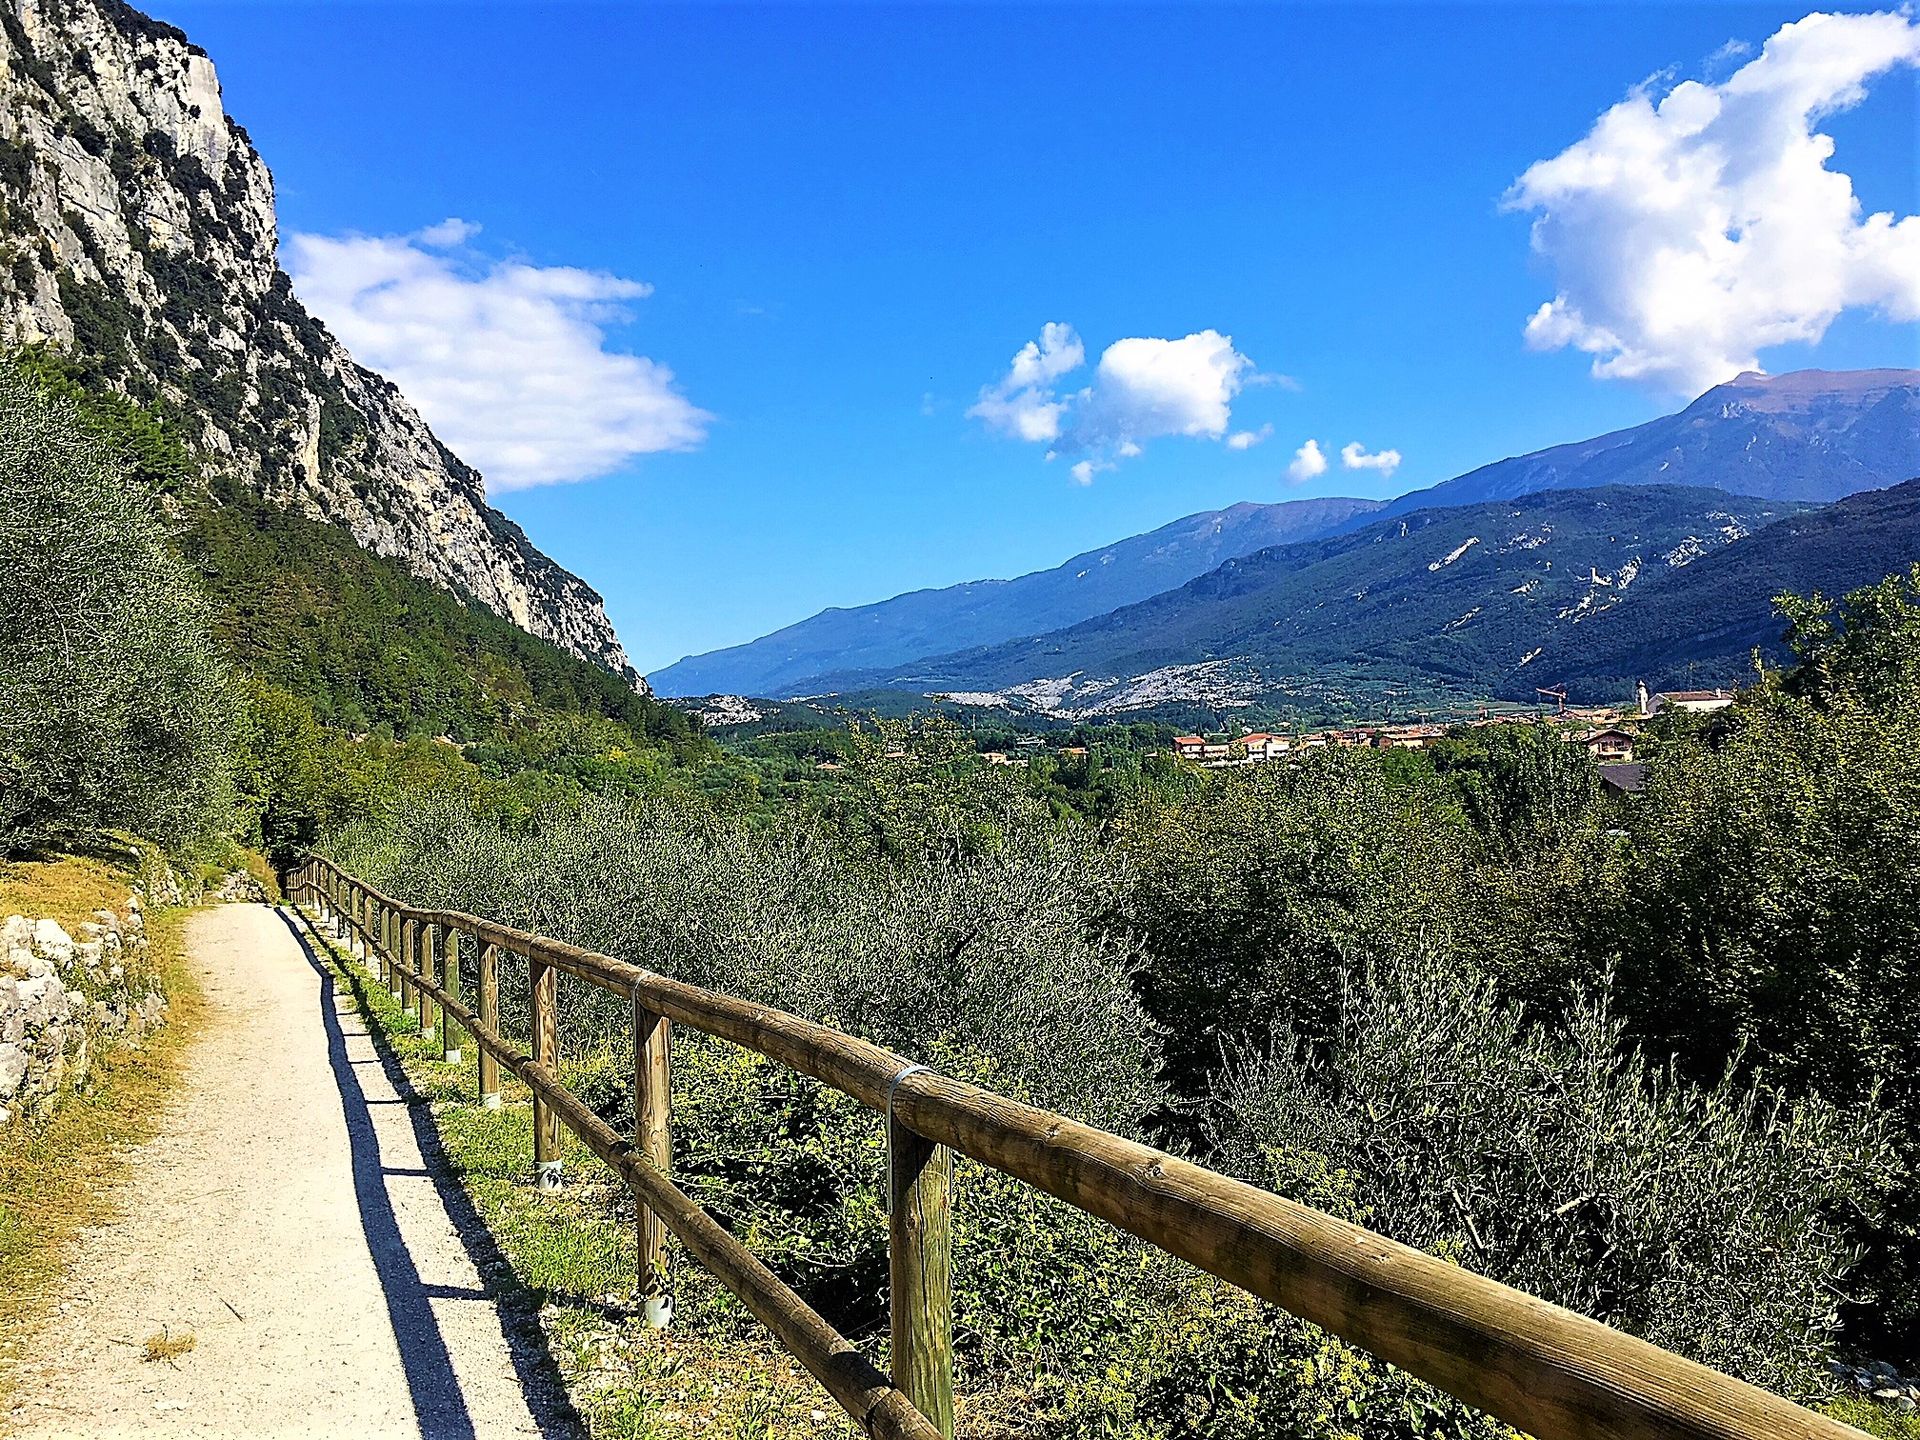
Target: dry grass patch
59	1179
68	888
163	1344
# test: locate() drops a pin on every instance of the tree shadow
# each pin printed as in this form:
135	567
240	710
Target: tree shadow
438	1402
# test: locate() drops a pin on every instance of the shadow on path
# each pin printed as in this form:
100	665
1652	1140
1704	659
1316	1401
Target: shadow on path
438	1403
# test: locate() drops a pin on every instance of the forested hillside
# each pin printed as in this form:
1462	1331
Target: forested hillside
1702	623
335	674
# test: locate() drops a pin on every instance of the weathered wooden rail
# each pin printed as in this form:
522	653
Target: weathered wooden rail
1548	1371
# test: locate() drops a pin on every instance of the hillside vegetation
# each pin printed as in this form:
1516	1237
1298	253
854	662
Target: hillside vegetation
1713	614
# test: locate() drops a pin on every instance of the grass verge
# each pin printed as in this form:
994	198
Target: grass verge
713	1374
64	1176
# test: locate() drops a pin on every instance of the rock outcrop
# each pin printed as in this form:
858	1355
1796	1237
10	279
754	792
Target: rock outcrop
137	235
64	999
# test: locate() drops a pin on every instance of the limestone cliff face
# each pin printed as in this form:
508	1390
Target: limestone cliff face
137	235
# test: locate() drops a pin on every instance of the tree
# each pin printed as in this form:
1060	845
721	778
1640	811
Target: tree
114	708
1711	1220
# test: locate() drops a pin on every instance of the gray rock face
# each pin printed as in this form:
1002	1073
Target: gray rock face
138	230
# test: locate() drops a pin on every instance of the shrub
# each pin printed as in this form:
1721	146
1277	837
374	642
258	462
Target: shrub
1712	1221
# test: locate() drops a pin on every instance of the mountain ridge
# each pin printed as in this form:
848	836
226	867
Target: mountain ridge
141	242
1428	593
987	611
1768	436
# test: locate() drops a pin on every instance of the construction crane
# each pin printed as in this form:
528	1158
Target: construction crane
1558	692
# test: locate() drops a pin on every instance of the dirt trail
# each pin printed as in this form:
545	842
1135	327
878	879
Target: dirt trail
294	1217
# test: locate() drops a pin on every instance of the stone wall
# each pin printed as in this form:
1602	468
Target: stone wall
67	998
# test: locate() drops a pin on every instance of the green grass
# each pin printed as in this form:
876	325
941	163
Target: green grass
714	1374
1875	1418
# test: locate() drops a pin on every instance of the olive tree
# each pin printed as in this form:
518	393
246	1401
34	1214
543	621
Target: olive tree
114	712
1713	1220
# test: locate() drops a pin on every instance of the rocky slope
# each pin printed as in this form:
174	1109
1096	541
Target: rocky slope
137	236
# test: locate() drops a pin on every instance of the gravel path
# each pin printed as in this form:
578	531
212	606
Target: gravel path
294	1216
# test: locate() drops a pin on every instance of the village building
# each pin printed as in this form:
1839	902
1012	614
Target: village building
1610	746
1695	702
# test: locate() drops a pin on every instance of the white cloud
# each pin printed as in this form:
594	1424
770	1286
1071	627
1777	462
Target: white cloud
1247	439
508	361
1142	389
1022	404
1308	461
448	233
1693	229
1354	456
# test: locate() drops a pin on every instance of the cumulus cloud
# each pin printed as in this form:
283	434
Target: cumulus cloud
1698	224
509	362
1142	389
1308	461
1023	404
1247	439
1354	456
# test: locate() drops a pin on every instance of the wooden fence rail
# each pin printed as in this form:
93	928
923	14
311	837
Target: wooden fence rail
1548	1371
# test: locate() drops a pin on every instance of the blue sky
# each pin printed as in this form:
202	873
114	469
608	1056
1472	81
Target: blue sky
851	218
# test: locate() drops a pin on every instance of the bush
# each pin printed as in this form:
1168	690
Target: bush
114	710
1713	1222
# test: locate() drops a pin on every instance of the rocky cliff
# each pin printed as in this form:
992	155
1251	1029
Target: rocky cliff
137	236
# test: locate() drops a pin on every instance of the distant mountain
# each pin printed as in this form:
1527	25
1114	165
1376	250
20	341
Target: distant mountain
985	612
1469	595
1810	435
1699	625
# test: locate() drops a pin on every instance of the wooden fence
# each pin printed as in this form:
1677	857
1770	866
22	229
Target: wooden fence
1546	1370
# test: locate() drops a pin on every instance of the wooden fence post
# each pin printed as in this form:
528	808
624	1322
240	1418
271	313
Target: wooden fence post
543	989
450	948
652	1086
920	1263
490	1018
429	972
390	939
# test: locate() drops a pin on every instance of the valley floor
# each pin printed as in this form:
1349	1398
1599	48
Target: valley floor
296	1219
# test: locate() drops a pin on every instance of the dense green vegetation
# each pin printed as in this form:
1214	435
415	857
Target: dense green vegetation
114	711
1640	1056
